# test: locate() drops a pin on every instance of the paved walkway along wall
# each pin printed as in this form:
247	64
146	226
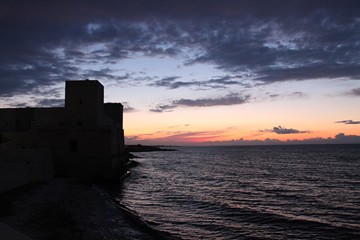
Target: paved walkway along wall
9	233
21	166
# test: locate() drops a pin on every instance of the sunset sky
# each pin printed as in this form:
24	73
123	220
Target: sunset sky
194	72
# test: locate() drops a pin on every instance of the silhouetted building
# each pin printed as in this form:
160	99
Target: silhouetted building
86	137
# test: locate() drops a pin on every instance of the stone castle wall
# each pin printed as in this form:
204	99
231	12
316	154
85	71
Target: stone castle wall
21	166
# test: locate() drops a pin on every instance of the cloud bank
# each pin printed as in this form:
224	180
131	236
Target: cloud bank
206	139
355	91
348	122
44	43
214	83
282	130
231	99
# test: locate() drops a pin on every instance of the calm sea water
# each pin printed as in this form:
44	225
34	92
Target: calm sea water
256	192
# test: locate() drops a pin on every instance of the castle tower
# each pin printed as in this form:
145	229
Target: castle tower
84	102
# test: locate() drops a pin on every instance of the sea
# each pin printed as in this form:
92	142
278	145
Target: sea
248	192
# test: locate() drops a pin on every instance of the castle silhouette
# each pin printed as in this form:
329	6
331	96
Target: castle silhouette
84	139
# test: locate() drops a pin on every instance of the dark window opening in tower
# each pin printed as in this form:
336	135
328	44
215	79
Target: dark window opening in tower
73	146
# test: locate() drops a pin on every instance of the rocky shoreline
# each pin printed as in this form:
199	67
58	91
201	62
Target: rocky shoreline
76	209
71	209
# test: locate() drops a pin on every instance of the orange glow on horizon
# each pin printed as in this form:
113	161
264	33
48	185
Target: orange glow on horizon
181	136
248	122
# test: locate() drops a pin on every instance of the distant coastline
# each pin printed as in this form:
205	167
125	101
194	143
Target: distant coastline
147	148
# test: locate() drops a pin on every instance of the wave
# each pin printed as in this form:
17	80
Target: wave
247	194
144	224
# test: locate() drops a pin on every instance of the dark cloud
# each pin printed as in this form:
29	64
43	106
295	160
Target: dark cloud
330	70
348	122
282	130
214	83
340	138
355	91
163	108
343	138
297	94
19	105
105	74
289	95
224	81
51	103
273	95
45	43
20	78
127	108
231	99
171	83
